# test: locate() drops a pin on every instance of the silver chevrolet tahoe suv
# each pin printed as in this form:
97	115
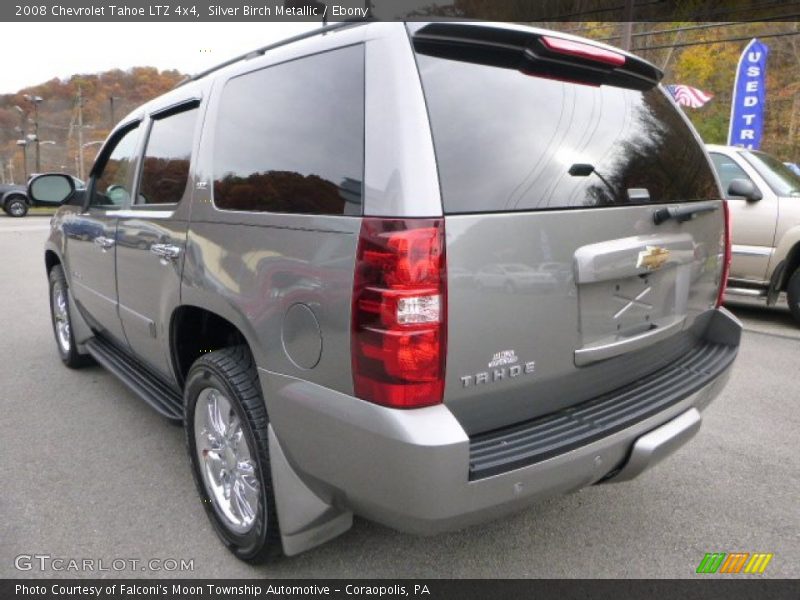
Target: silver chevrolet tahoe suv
424	273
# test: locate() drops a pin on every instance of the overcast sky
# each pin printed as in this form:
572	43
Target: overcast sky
37	52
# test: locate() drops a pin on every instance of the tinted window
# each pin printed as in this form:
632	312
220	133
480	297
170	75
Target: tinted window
728	170
112	187
166	159
507	141
290	138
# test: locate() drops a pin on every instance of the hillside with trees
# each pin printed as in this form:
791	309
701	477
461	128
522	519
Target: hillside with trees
698	54
105	98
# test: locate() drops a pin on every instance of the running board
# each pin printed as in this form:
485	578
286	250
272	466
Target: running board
749	292
163	398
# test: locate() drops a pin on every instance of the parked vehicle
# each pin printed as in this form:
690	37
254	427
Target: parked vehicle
764	200
15	202
278	253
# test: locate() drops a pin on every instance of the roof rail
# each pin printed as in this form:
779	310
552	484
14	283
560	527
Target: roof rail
260	51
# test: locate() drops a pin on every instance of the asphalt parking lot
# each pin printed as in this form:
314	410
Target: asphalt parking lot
89	471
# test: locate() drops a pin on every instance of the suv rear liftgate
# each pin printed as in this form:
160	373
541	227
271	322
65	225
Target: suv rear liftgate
562	165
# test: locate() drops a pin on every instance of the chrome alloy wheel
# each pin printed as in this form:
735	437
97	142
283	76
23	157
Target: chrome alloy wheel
225	460
61	317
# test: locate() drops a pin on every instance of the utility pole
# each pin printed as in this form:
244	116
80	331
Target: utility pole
80	135
11	170
23	141
23	144
627	25
36	101
111	104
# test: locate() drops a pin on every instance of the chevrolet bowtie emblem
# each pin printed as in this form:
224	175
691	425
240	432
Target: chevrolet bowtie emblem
652	258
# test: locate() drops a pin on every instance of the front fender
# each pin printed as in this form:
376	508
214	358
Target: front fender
8	195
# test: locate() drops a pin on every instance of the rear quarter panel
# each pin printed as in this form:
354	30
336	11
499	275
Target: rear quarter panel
251	268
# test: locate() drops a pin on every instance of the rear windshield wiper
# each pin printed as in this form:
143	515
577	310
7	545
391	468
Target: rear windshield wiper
683	213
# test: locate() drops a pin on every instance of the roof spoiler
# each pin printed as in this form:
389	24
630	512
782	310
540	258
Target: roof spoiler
535	52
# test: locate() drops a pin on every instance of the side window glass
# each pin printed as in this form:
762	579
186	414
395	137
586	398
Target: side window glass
727	170
165	169
112	187
290	138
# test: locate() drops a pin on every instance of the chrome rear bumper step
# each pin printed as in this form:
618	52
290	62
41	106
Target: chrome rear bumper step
656	445
163	398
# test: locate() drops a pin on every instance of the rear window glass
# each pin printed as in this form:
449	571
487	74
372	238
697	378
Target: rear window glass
506	141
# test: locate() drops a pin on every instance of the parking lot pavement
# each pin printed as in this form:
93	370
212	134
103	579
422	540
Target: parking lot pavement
758	318
23	225
88	471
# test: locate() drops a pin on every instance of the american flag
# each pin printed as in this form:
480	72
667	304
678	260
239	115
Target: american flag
688	96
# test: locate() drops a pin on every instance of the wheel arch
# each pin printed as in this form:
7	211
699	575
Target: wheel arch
790	264
195	331
51	259
14	194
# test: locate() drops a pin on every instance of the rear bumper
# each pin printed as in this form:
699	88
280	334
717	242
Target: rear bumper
411	470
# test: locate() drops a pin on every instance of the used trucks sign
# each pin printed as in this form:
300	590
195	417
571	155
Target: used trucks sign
749	93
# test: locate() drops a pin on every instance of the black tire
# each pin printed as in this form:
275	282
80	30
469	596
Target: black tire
233	372
67	349
16	206
793	295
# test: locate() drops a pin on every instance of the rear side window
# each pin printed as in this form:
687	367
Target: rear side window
165	171
290	138
508	141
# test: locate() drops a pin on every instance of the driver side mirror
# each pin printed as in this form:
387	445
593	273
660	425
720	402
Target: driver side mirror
51	188
744	188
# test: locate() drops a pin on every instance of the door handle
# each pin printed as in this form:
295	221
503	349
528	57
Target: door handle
104	243
166	251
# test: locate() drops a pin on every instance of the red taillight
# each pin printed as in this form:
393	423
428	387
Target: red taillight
399	312
586	51
726	259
